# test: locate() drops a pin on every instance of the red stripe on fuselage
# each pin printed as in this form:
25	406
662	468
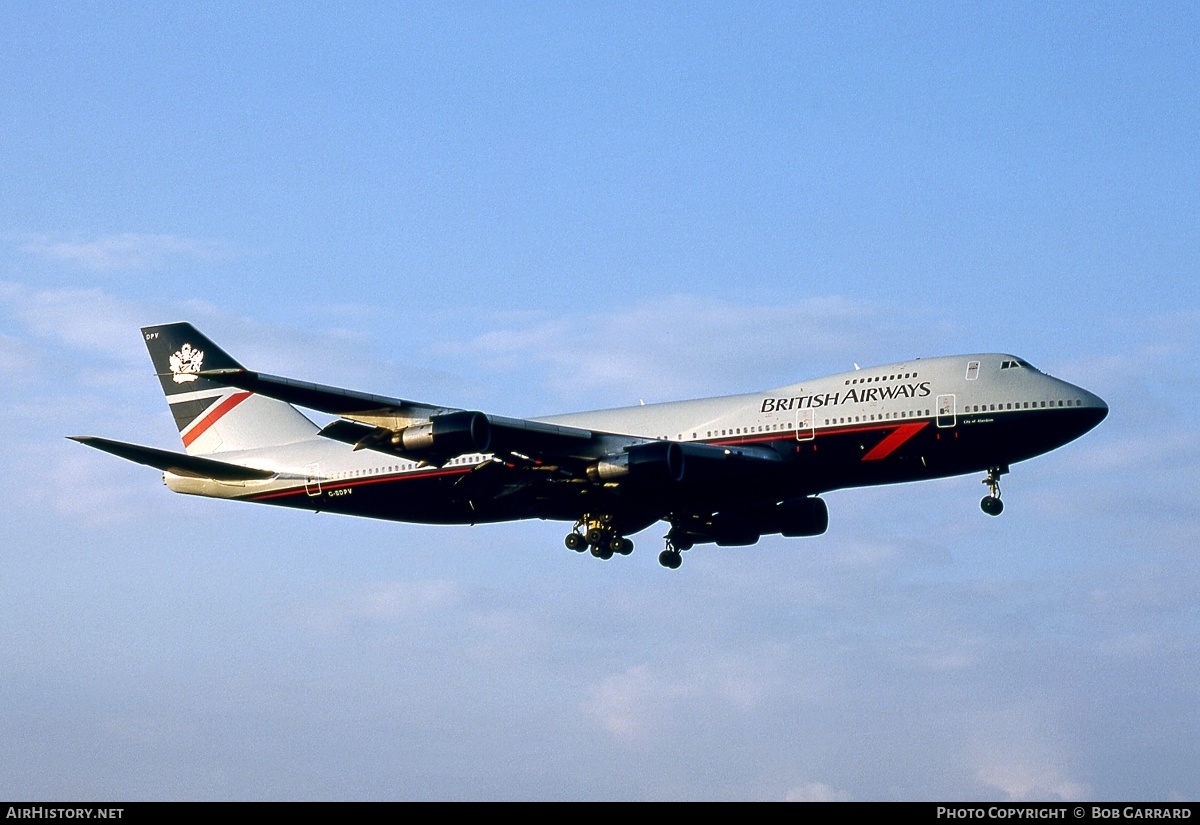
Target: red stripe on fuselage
890	444
365	480
214	416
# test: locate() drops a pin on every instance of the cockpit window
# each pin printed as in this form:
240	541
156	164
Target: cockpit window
1017	363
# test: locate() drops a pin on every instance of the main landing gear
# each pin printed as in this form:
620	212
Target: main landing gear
991	503
598	535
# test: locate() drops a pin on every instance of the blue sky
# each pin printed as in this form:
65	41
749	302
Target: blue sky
534	208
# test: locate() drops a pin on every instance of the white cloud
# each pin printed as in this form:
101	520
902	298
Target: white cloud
390	601
84	319
1139	452
500	637
1021	752
386	603
816	792
686	345
70	325
84	488
628	704
747	682
124	251
641	701
1030	782
17	359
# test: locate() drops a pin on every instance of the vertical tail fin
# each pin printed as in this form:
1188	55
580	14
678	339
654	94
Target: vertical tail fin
212	417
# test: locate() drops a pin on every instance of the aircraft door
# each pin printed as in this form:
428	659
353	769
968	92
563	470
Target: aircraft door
946	412
804	425
312	479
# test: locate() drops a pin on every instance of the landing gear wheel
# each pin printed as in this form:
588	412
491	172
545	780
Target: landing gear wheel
670	559
620	544
576	542
602	551
991	503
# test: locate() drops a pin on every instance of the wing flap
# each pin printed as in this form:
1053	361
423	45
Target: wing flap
528	440
175	463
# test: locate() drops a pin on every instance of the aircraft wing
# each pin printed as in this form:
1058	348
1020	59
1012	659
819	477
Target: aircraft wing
427	432
332	400
433	435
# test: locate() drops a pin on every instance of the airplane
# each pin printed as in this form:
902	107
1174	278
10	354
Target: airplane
724	471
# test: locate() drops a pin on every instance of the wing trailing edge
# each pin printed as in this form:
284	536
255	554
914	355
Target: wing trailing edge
442	437
417	431
326	399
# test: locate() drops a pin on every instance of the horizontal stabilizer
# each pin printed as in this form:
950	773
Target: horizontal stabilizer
176	463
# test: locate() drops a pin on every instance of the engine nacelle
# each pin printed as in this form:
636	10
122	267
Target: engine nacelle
682	463
710	464
802	517
737	538
450	434
793	518
658	461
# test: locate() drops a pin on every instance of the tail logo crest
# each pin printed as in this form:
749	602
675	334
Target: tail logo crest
185	364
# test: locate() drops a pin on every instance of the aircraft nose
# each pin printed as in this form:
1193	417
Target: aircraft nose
1089	411
1095	409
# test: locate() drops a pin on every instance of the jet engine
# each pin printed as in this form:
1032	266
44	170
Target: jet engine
682	463
450	434
802	517
656	461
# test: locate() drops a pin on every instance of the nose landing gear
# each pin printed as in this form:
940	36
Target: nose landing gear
677	541
991	503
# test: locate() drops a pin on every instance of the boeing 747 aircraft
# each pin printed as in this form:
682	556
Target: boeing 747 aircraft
717	470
